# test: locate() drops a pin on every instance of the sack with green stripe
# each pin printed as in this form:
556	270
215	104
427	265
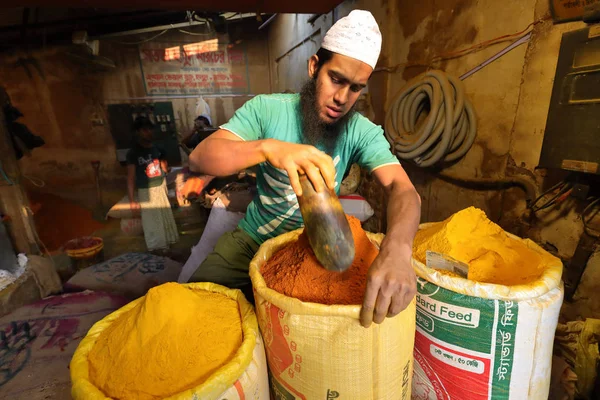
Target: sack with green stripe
485	341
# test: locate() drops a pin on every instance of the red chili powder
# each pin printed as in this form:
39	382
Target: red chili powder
295	272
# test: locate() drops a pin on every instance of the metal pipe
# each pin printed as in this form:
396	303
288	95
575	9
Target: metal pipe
267	22
526	184
183	96
306	39
152	29
312	19
490	60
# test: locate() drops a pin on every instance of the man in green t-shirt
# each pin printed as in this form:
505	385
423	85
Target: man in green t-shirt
315	132
146	170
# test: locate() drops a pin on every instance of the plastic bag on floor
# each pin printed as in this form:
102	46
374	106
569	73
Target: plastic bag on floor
130	274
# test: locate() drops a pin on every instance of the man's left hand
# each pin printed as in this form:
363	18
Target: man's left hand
391	286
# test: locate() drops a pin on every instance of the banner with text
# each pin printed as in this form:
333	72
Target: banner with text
206	67
569	10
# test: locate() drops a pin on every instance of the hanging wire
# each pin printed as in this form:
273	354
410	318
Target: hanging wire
13	181
541	196
561	196
142	41
196	34
191	16
463	52
35	181
590	232
211	30
37	237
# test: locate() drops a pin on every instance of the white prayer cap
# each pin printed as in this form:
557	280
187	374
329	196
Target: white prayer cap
356	36
207	116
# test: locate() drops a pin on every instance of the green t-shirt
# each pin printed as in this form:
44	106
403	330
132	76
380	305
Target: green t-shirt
148	172
275	210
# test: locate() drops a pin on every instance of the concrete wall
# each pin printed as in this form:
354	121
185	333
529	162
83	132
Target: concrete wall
61	99
292	40
511	98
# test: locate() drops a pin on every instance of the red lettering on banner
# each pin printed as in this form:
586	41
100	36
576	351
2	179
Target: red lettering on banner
235	57
174	77
213	57
157	84
210	72
153	55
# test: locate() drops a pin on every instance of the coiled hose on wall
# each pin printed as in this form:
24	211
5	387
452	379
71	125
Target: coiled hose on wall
449	129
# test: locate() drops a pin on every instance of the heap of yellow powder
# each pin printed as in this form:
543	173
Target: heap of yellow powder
493	257
172	341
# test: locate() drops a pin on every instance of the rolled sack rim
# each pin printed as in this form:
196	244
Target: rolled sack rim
290	304
549	280
222	379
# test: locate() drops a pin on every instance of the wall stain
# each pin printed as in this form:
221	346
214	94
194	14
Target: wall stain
378	92
492	164
510	221
494	206
441	33
512	169
411	13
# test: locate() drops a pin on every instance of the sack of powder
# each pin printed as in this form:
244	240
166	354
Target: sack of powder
489	336
320	351
194	341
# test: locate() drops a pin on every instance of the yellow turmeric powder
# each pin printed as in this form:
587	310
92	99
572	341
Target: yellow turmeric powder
493	257
172	341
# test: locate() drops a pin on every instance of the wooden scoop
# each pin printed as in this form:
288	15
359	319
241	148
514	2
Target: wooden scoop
443	261
326	226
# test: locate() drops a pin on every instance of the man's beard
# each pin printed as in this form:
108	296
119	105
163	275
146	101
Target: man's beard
317	132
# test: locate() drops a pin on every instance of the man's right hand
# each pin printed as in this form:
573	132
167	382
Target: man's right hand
301	159
135	208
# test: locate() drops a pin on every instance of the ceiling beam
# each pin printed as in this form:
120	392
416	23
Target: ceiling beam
254	6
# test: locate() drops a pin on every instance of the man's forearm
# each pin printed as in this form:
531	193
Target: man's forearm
403	216
223	157
187	137
131	190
